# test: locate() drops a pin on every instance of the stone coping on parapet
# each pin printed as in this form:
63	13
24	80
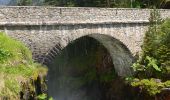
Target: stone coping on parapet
46	15
76	7
102	8
73	23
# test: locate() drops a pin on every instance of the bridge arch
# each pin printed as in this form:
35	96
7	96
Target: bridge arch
121	56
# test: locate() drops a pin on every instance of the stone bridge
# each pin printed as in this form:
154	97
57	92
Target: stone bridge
47	30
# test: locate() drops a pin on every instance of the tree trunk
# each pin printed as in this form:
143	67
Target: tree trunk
108	3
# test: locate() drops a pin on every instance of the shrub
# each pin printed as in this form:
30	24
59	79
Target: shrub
154	62
155	58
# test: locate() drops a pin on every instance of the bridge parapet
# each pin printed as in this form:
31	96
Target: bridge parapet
48	30
73	15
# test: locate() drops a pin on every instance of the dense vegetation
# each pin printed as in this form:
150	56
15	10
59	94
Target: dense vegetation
24	2
17	69
108	3
99	3
152	70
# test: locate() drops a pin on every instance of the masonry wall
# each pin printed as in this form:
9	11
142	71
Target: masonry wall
56	15
42	39
44	29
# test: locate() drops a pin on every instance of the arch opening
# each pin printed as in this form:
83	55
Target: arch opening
86	68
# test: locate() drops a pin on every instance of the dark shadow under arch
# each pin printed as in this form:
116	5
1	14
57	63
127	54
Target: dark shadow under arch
100	53
121	56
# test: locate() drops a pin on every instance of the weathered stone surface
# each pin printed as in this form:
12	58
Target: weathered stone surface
57	15
47	30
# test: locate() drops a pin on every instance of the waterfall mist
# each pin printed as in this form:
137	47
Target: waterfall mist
80	71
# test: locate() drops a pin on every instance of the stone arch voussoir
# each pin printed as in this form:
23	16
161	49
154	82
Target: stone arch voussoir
121	56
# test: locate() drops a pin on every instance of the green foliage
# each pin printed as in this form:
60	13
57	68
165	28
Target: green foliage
154	20
4	54
159	47
136	4
43	97
155	58
149	69
151	86
167	84
24	2
20	70
109	3
10	89
12	51
94	3
152	3
12	85
154	61
16	66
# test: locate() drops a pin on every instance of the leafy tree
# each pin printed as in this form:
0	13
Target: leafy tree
91	3
153	3
155	59
24	2
152	70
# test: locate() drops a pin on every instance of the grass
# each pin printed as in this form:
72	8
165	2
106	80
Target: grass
16	67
